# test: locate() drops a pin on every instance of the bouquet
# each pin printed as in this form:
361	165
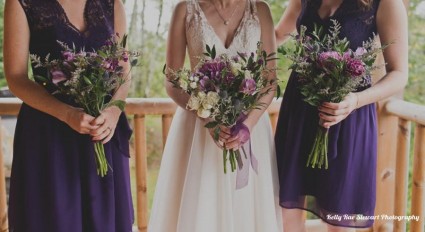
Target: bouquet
89	79
328	70
224	89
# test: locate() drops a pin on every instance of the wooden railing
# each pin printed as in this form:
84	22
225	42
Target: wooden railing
407	113
140	108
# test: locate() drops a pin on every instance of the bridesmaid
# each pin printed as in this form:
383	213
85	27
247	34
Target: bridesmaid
54	184
347	188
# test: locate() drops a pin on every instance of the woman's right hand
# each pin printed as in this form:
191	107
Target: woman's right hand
80	121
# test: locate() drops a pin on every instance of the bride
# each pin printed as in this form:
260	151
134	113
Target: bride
193	194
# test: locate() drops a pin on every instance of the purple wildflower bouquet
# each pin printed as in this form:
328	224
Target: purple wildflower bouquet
224	89
328	70
89	79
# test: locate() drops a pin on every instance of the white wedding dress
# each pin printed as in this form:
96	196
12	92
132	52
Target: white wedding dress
193	194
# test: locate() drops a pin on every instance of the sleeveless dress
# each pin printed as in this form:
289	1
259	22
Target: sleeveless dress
347	188
54	184
193	194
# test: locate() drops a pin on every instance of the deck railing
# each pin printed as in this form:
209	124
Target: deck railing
140	108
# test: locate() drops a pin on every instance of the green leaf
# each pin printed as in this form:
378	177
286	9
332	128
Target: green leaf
213	53
134	62
164	68
87	80
124	40
278	91
41	79
217	133
211	124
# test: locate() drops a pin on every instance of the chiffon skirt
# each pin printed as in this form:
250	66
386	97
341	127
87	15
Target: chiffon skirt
194	195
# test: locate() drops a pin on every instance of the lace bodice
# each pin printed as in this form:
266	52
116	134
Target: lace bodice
200	33
49	23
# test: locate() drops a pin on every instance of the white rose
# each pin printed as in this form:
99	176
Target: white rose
248	74
235	67
196	79
213	97
183	85
193	103
203	113
193	85
201	95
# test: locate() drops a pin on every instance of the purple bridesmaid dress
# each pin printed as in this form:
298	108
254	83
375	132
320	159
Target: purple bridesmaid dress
54	184
343	195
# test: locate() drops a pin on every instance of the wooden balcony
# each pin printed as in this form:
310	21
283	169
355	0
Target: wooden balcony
395	119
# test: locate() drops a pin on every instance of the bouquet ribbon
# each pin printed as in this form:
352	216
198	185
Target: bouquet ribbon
242	175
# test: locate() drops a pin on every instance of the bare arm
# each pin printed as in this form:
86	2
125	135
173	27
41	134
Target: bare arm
269	45
390	29
16	51
176	52
108	118
288	22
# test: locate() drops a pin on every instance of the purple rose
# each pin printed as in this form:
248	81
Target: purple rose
327	59
68	56
57	76
248	86
355	67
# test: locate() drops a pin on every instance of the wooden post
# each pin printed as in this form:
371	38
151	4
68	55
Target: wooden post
402	174
273	121
418	191
141	172
3	200
166	123
387	141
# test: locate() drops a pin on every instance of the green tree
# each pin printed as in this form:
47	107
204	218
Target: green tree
2	79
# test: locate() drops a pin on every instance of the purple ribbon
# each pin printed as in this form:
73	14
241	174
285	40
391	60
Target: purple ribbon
242	175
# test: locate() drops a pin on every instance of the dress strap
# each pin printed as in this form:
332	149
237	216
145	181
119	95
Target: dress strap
191	9
253	7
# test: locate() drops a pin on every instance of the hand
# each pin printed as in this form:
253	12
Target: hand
79	121
106	123
333	113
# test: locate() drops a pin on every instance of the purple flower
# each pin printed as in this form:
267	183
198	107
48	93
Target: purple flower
110	65
125	56
57	76
212	69
327	59
235	58
355	67
360	51
260	61
328	56
68	56
206	84
248	86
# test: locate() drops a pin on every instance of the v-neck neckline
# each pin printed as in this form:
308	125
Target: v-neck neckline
238	28
68	21
327	18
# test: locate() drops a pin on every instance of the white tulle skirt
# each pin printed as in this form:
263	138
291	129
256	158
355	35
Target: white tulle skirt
194	195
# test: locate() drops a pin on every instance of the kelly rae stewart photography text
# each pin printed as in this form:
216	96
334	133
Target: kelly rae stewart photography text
359	217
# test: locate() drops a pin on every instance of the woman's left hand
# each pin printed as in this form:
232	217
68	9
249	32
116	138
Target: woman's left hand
333	113
107	121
